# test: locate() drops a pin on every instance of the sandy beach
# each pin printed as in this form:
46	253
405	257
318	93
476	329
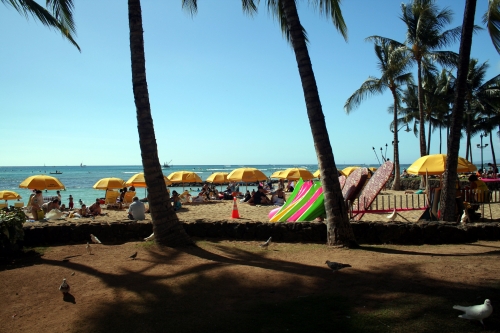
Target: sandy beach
221	210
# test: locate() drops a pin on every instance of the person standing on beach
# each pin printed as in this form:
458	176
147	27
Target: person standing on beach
36	204
59	197
71	204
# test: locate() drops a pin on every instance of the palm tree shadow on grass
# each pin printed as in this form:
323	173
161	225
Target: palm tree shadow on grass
209	296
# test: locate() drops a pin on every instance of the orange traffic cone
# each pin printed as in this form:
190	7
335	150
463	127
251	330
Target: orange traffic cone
235	214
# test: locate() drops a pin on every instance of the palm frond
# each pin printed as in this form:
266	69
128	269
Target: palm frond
492	20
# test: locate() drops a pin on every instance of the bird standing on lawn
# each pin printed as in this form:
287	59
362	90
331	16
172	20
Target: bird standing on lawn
266	244
89	249
476	312
64	287
95	239
133	256
335	266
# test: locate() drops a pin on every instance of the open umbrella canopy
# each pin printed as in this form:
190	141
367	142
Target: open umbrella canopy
109	184
42	182
347	171
9	195
246	175
138	180
277	174
184	177
218	177
296	174
436	165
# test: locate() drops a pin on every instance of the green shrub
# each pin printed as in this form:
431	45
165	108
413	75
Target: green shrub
11	229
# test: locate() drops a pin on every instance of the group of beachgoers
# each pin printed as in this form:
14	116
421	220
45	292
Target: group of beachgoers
264	195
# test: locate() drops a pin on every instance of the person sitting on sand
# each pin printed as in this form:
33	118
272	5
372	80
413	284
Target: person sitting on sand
278	197
185	197
136	210
48	206
84	211
95	208
176	201
247	197
259	198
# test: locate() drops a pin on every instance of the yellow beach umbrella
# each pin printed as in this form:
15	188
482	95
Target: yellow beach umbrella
246	175
436	165
9	195
184	177
218	178
277	174
347	171
42	182
296	174
138	180
109	183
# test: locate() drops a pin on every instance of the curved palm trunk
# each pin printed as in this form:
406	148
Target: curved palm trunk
166	226
397	174
337	220
421	126
448	194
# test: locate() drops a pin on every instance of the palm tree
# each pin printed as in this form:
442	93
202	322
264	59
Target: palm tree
393	62
60	16
339	230
424	37
492	18
166	225
436	100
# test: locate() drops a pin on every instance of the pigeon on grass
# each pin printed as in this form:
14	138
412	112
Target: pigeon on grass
133	256
335	266
64	287
476	312
266	244
95	239
89	249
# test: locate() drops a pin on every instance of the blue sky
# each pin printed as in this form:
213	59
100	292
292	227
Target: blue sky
224	87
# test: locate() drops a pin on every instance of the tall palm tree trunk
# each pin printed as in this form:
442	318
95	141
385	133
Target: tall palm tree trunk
493	153
448	194
396	185
339	230
468	144
166	226
421	119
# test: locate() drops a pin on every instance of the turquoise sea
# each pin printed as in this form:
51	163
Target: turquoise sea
79	180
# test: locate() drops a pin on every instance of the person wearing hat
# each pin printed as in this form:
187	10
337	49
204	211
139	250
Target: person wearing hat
136	210
95	208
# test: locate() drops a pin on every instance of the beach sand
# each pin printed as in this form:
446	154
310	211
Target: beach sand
221	210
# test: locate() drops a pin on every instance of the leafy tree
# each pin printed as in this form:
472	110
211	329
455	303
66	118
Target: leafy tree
393	61
339	230
59	15
424	38
166	225
492	19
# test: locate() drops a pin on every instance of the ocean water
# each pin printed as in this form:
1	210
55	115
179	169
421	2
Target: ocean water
79	180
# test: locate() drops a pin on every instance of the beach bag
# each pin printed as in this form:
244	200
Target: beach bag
41	214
